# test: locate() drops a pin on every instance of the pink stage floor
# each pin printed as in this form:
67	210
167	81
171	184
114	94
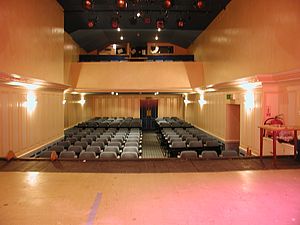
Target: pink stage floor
242	197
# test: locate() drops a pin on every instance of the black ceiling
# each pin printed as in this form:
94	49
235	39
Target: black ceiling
139	33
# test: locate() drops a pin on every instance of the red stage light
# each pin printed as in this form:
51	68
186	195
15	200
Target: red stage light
147	20
91	23
180	23
168	4
114	23
160	23
199	4
122	4
88	4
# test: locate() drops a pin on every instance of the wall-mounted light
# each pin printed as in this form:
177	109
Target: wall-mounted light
156	93
25	85
249	95
31	102
122	4
202	101
64	101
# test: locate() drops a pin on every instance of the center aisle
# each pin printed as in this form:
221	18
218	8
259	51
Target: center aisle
151	146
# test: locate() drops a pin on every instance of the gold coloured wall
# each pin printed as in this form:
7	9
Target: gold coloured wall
76	112
129	105
249	38
24	128
32	39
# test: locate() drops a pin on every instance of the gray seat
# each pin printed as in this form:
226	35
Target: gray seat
67	155
129	144
129	155
99	144
92	136
83	144
65	144
45	154
131	149
77	149
108	155
188	155
115	144
209	155
72	140
195	144
87	155
115	149
229	154
188	140
57	148
88	140
104	140
178	144
95	149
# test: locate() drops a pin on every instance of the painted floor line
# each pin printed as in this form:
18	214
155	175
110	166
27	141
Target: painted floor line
94	209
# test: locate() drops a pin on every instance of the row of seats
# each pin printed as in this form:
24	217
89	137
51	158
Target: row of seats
88	155
79	140
180	139
208	154
120	122
171	122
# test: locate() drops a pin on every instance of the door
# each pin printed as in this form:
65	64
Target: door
148	112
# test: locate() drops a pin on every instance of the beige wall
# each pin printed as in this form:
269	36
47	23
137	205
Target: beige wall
212	117
249	38
22	130
74	112
138	76
32	39
129	105
71	55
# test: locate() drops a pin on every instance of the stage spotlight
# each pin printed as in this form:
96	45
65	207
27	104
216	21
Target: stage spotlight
168	4
91	23
114	23
122	4
180	23
88	4
147	20
199	4
160	24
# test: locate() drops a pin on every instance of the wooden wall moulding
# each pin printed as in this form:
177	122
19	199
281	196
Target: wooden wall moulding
15	80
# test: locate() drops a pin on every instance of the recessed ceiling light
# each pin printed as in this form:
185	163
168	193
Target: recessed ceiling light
156	37
159	29
118	29
122	38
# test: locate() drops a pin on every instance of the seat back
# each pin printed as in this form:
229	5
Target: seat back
95	149
87	155
209	155
131	149
67	155
188	155
77	149
129	155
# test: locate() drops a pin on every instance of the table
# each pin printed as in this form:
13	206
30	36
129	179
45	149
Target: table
276	129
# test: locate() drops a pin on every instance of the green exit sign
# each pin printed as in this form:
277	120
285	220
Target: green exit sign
229	96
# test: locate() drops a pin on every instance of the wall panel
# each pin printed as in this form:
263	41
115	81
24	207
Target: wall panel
21	130
32	39
242	42
74	112
129	105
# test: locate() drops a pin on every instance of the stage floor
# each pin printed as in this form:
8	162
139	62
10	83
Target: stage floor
261	197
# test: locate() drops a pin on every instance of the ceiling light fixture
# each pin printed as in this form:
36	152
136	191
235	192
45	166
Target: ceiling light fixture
199	4
122	4
156	37
115	23
91	23
160	24
159	29
180	23
121	38
88	4
168	4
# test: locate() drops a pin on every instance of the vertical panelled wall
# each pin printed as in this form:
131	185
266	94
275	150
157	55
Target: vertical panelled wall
129	105
211	117
76	112
22	127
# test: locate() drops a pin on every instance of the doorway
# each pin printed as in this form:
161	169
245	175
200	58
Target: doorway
148	113
232	127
